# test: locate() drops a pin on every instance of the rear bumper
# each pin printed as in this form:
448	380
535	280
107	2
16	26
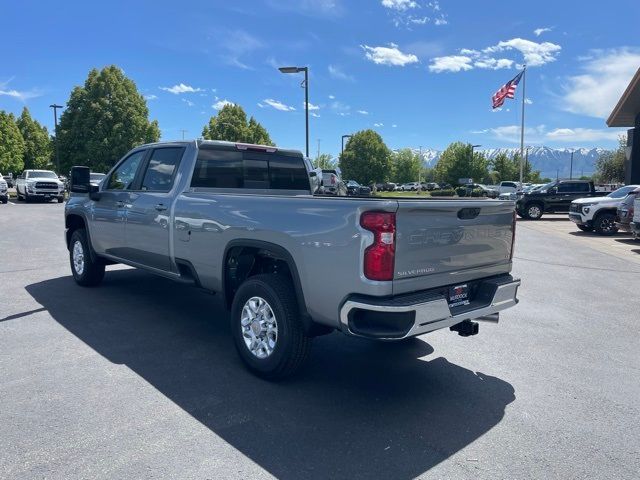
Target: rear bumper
414	314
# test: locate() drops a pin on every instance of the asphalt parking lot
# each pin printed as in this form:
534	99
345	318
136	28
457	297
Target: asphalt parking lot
138	378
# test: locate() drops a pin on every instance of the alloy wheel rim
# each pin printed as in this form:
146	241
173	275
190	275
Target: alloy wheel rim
606	225
259	327
534	211
78	257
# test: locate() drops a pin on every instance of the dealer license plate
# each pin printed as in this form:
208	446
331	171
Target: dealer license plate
459	295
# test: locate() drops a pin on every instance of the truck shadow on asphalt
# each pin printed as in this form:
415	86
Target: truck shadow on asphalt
360	409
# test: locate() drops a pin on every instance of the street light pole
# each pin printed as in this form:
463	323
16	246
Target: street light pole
343	137
571	168
55	122
306	98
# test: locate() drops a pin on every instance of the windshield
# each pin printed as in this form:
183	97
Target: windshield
42	175
547	186
353	183
622	192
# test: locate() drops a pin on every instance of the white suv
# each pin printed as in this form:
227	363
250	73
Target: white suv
4	191
598	213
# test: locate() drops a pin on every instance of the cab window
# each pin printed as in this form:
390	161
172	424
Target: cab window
161	169
122	178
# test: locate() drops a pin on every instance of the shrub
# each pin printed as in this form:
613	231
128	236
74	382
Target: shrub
443	193
464	192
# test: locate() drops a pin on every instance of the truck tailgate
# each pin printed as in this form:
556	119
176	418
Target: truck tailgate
451	241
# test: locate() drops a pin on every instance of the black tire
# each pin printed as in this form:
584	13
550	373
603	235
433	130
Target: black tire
585	228
605	224
533	211
292	346
60	199
92	271
26	198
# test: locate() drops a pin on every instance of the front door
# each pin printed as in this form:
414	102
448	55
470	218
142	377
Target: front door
148	213
109	212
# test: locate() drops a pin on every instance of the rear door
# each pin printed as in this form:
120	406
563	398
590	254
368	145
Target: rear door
568	192
148	211
451	241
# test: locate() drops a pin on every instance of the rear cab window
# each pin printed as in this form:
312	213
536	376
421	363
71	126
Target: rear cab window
229	168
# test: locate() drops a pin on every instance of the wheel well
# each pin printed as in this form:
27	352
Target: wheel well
603	211
244	262
73	223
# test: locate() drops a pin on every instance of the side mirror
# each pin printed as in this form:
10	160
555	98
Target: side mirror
80	180
553	190
313	174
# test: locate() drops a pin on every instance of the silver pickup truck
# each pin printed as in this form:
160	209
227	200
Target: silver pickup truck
240	220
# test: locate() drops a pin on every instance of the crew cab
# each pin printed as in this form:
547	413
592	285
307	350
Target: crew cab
553	197
39	184
241	220
599	213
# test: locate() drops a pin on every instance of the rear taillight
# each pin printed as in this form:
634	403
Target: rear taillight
379	257
333	180
513	235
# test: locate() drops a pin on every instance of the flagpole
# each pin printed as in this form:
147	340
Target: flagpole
524	75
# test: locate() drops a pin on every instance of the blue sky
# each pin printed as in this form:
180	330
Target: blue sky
419	72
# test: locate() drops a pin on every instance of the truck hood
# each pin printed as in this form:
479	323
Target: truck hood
594	200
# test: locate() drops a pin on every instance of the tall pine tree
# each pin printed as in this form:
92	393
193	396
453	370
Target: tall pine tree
11	145
37	143
103	120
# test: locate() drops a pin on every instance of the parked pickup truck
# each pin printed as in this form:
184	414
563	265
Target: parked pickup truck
39	184
553	197
599	213
240	220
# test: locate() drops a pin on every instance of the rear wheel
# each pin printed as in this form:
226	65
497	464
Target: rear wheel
605	224
585	228
266	328
86	271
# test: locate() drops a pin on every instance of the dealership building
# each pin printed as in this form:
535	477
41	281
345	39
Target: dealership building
627	114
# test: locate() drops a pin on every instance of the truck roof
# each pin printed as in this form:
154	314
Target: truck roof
225	144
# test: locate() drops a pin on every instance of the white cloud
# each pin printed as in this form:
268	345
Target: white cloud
539	134
277	105
607	74
150	97
340	107
535	54
332	97
314	114
539	31
452	63
394	125
377	125
188	102
181	88
528	101
363	112
573	135
399	5
490	63
21	95
337	73
311	106
221	103
390	55
440	21
344	114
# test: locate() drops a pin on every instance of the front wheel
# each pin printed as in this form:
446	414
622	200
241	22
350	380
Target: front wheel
86	271
266	327
533	211
605	224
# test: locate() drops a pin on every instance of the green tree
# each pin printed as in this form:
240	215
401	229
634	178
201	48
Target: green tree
104	119
325	162
37	143
505	167
610	164
366	158
406	166
456	162
231	125
11	145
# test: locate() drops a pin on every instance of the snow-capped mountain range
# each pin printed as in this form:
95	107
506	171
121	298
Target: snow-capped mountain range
550	161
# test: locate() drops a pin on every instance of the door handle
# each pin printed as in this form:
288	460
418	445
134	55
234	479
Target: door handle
120	204
160	207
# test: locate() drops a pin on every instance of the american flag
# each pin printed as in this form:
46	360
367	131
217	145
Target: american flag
508	90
